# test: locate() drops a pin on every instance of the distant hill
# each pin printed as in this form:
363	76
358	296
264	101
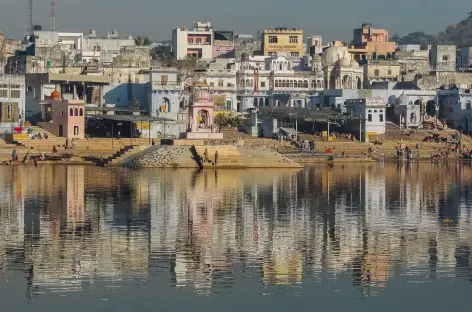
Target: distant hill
459	34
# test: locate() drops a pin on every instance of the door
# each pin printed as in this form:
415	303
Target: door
61	131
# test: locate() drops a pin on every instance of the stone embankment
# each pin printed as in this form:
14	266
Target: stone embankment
166	156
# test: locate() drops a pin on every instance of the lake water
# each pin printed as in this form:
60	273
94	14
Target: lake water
342	238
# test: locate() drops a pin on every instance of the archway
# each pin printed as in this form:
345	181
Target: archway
165	107
346	82
332	82
358	82
266	101
60	131
254	102
431	107
204	119
261	102
76	112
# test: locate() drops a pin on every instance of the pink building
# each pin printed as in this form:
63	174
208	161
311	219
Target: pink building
223	44
369	34
66	118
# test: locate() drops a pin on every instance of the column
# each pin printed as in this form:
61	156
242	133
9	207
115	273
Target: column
74	94
100	96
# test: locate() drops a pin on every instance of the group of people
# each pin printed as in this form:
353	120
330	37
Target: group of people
206	159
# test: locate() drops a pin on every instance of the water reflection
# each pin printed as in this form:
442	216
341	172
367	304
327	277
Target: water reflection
67	227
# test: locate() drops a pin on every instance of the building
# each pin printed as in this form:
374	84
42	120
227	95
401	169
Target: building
195	42
223	44
464	58
443	57
372	43
372	113
341	70
455	107
64	118
409	47
408	114
314	45
285	40
104	50
12	102
246	45
381	71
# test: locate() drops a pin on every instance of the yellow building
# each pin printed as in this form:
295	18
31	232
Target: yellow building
289	41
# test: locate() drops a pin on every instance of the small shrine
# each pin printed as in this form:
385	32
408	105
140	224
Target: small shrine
201	113
63	118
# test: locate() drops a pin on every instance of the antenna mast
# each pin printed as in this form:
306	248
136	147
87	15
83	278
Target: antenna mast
30	17
53	15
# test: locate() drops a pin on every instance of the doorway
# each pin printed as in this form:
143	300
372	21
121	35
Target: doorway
61	131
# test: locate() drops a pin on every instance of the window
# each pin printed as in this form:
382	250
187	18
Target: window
376	73
276	83
445	57
81	112
62	113
164	80
272	53
76	130
76	112
3	91
305	84
389	72
369	117
294	54
273	39
262	84
9	112
293	39
212	84
71	112
220	83
381	117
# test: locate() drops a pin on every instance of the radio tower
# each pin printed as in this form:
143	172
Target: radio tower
53	15
30	18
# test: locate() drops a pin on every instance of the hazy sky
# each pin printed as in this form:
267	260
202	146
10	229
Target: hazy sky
333	19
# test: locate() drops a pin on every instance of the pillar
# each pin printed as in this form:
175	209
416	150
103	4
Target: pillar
74	94
100	96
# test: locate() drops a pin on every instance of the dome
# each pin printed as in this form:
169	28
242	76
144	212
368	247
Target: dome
334	54
55	95
354	64
346	61
402	99
201	95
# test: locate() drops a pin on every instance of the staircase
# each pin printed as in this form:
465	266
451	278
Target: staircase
116	157
228	156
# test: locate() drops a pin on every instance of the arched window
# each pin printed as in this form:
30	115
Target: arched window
285	83
71	112
305	84
76	112
313	83
81	112
276	83
300	84
291	83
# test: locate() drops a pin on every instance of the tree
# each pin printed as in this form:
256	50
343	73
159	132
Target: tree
223	121
142	41
190	71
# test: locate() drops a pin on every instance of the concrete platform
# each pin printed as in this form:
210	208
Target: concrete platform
204	135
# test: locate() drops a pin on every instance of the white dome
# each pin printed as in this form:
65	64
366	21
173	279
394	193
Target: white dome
335	54
354	64
346	61
402	99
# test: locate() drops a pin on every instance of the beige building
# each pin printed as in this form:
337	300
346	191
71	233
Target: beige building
289	41
378	71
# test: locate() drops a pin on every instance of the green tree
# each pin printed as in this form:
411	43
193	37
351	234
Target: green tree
224	121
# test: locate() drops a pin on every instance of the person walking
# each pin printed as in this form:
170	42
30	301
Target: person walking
216	158
54	150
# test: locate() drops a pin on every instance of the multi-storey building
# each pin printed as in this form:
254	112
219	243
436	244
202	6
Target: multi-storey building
195	42
289	41
12	101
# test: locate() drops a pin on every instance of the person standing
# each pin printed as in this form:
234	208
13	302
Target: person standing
67	143
216	158
73	144
205	155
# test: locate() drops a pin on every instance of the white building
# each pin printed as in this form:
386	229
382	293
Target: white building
372	113
67	41
103	50
12	101
196	41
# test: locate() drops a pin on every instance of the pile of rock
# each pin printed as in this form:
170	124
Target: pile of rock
164	156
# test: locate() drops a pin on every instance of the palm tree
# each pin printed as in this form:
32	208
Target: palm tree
142	41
